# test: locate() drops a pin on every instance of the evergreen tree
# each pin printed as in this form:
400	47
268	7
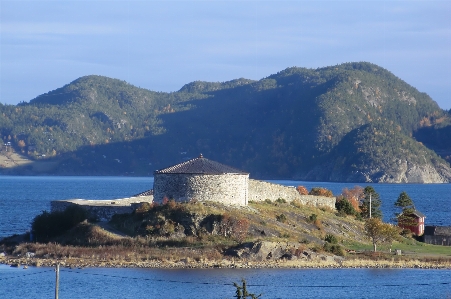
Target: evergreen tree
407	208
404	201
344	206
373	196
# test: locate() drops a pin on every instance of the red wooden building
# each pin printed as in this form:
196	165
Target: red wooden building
413	220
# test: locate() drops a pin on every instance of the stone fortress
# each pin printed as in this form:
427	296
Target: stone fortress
198	179
201	179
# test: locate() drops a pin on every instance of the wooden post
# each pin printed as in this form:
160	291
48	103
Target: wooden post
57	270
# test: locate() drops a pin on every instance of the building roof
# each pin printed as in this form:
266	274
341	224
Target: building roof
200	165
416	213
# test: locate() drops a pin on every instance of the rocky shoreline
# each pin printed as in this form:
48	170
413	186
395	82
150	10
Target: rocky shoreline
187	263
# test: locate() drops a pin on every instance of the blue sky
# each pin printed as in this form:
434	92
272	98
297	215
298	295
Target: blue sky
162	45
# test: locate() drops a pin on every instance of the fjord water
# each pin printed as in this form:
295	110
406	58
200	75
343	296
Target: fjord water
218	283
22	198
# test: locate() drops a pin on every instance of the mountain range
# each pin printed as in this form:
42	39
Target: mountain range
353	122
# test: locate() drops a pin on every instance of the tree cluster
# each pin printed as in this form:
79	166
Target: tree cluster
49	225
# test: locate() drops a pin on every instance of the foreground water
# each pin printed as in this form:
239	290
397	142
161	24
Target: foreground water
218	283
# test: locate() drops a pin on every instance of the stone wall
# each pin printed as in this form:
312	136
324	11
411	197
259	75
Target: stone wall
102	210
259	191
225	188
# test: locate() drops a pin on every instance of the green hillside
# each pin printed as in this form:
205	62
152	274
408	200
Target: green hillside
299	123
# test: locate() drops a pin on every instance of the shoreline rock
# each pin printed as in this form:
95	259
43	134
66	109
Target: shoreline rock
78	263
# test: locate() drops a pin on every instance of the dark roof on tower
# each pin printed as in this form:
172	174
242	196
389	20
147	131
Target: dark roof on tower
200	165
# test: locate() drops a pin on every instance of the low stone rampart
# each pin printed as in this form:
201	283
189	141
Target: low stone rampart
102	210
260	191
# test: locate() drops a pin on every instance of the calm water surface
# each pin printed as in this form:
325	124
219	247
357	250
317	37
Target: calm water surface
433	200
217	283
22	198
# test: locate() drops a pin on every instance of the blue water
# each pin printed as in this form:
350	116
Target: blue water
433	200
22	198
218	283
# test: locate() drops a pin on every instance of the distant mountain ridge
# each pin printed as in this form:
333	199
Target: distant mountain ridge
350	122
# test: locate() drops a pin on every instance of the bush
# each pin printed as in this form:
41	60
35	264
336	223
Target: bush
318	224
233	227
268	201
281	218
172	204
321	192
281	200
341	214
406	233
313	217
165	200
296	203
48	225
334	248
143	208
331	239
344	206
302	190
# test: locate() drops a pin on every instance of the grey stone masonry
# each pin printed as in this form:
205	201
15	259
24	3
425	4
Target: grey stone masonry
232	189
260	191
227	188
102	210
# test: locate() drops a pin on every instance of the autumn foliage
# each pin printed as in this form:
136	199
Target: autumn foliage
165	200
302	190
321	192
354	196
380	232
233	227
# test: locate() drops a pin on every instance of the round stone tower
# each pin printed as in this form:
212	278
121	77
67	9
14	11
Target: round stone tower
201	179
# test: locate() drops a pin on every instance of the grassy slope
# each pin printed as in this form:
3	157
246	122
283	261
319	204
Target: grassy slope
93	245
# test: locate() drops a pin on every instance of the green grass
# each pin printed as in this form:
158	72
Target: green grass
264	222
408	247
423	248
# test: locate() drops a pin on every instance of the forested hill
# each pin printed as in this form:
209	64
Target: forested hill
349	122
